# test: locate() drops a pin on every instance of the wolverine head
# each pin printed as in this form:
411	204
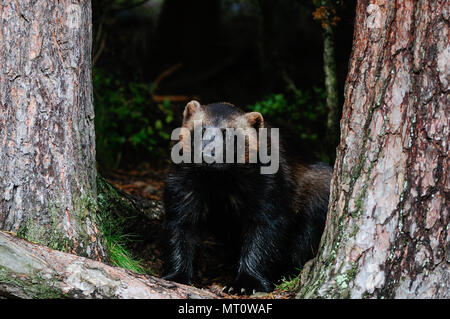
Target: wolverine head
220	135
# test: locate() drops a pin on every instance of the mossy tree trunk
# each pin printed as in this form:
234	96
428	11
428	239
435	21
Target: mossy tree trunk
331	86
326	13
387	231
47	143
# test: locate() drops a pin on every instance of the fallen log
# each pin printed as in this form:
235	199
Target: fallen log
29	270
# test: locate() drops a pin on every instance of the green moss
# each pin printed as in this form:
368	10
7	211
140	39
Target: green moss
49	232
84	206
341	281
30	231
86	211
351	273
354	231
33	286
310	290
50	235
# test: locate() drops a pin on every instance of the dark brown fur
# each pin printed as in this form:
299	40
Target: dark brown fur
271	223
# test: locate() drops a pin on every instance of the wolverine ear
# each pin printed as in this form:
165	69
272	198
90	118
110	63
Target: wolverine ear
190	109
255	119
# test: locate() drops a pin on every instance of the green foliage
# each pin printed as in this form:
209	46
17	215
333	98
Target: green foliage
128	121
117	240
304	112
116	228
117	243
289	285
301	115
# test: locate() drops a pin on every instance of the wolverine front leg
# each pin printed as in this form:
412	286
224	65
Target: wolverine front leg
181	237
260	257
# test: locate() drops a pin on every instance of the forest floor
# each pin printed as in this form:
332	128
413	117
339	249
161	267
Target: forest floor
213	275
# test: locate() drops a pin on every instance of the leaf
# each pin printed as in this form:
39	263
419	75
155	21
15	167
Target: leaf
158	124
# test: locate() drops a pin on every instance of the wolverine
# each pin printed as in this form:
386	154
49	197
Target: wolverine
270	222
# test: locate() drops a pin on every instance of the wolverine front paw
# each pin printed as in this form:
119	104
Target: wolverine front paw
247	285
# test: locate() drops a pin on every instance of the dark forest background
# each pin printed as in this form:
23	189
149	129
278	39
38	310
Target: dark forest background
151	57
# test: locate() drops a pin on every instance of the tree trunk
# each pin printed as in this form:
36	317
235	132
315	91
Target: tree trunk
33	271
387	228
47	144
331	86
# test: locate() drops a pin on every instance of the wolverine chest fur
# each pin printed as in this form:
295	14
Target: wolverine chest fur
225	197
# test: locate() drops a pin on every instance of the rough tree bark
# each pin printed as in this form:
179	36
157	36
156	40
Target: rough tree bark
326	14
33	271
387	230
331	86
47	144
